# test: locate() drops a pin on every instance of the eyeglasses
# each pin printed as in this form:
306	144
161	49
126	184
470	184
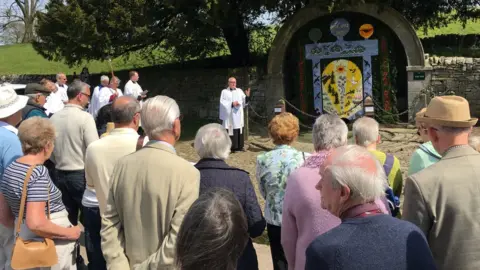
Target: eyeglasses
85	94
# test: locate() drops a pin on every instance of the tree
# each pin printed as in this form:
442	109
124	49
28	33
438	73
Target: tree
421	13
80	30
21	11
13	33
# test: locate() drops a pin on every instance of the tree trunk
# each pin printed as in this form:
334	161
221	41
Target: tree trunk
237	40
28	35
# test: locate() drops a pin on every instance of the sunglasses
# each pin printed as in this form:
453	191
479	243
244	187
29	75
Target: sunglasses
180	117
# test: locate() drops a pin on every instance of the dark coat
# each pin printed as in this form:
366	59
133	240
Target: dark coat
216	173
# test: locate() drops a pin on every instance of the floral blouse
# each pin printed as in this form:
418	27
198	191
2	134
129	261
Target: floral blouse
273	169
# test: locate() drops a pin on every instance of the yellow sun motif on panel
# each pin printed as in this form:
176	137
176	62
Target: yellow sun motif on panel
342	88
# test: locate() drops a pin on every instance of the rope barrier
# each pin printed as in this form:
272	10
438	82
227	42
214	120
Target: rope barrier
298	110
425	91
256	113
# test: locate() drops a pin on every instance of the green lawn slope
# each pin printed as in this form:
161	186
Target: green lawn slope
472	27
23	59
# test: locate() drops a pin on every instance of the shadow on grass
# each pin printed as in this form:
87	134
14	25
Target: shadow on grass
190	126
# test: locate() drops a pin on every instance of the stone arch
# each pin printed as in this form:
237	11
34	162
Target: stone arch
392	18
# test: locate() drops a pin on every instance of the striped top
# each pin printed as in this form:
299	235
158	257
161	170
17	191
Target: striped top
12	186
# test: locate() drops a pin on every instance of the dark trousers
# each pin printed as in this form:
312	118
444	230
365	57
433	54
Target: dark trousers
93	224
237	140
51	170
72	186
278	256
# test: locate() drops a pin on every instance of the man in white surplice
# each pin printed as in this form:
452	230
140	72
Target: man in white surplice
232	103
132	88
94	105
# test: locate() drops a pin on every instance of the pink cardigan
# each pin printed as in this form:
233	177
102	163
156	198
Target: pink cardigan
303	217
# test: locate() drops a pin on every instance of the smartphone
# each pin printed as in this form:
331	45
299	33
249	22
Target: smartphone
144	93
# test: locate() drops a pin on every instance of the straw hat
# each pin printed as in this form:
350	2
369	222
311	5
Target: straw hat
449	111
10	102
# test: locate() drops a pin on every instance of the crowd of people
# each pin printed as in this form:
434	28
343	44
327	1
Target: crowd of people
77	157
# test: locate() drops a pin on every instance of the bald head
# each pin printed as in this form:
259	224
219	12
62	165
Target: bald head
124	110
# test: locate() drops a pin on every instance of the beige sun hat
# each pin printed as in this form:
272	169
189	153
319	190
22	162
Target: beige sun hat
10	102
449	111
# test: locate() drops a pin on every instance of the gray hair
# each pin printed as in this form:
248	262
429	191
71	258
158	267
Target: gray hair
124	113
59	75
454	130
212	141
474	141
158	114
356	168
329	131
76	88
115	79
365	131
104	78
214	227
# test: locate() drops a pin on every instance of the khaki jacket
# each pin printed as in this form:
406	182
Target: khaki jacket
151	191
444	201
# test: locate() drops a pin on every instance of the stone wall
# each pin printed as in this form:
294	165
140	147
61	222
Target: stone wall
197	91
459	76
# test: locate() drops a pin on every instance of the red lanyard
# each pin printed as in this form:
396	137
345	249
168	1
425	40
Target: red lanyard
369	213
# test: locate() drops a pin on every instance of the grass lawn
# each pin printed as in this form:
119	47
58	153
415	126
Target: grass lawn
456	28
23	59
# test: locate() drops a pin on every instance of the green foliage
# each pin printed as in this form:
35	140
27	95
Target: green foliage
84	30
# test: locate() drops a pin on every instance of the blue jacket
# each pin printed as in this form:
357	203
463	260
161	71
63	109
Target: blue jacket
216	173
371	243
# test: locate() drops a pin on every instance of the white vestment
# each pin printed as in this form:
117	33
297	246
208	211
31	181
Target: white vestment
97	101
104	95
133	89
62	92
54	103
232	117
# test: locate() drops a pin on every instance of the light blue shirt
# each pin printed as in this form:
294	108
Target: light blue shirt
273	169
164	143
10	146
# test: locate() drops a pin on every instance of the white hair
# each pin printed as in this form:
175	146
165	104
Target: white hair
212	141
104	78
365	131
59	75
355	167
158	114
329	131
474	141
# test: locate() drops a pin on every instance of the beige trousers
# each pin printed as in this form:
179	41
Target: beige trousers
6	245
65	249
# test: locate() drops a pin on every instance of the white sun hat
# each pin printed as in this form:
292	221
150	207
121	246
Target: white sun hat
10	102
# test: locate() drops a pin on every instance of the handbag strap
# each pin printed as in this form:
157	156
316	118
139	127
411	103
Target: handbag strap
24	199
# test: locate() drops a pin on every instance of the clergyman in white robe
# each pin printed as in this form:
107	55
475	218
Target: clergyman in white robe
233	116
